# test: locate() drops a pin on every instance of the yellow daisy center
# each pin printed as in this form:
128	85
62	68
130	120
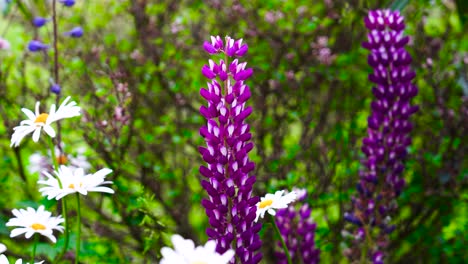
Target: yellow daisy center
62	159
72	186
265	203
42	118
37	226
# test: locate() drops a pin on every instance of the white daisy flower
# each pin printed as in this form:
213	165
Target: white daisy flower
184	252
38	121
274	201
4	260
2	248
74	181
31	221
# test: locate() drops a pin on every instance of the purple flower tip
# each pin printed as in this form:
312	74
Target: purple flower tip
242	50
76	32
55	88
36	45
39	21
209	48
68	2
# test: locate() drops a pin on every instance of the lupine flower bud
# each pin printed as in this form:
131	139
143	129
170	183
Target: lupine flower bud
298	231
39	21
36	45
68	2
231	207
76	32
388	132
55	88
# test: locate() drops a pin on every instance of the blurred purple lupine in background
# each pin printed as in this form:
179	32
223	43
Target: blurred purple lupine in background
298	231
231	207
381	180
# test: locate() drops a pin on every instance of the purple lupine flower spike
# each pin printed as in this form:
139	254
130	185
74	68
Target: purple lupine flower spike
231	207
36	45
298	231
381	180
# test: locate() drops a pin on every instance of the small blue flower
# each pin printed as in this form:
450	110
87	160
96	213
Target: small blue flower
39	21
55	88
68	2
36	45
76	32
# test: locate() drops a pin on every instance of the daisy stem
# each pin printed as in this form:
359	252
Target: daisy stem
78	234
36	240
52	153
67	238
283	243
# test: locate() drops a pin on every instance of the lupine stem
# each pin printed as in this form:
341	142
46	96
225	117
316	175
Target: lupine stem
78	233
285	248
56	66
36	240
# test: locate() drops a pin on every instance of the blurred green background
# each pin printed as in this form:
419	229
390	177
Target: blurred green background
136	74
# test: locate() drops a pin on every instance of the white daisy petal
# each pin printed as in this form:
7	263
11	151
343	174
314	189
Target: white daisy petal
30	114
4	260
3	248
36	134
49	130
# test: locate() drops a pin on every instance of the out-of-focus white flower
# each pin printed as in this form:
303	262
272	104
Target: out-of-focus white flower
274	201
30	221
4	260
4	44
39	162
184	252
38	121
2	248
74	181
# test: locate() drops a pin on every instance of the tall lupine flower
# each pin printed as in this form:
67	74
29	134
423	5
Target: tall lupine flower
231	207
298	231
381	180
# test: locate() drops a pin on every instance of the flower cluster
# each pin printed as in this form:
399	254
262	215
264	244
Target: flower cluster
381	180
67	180
37	45
298	231
231	207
